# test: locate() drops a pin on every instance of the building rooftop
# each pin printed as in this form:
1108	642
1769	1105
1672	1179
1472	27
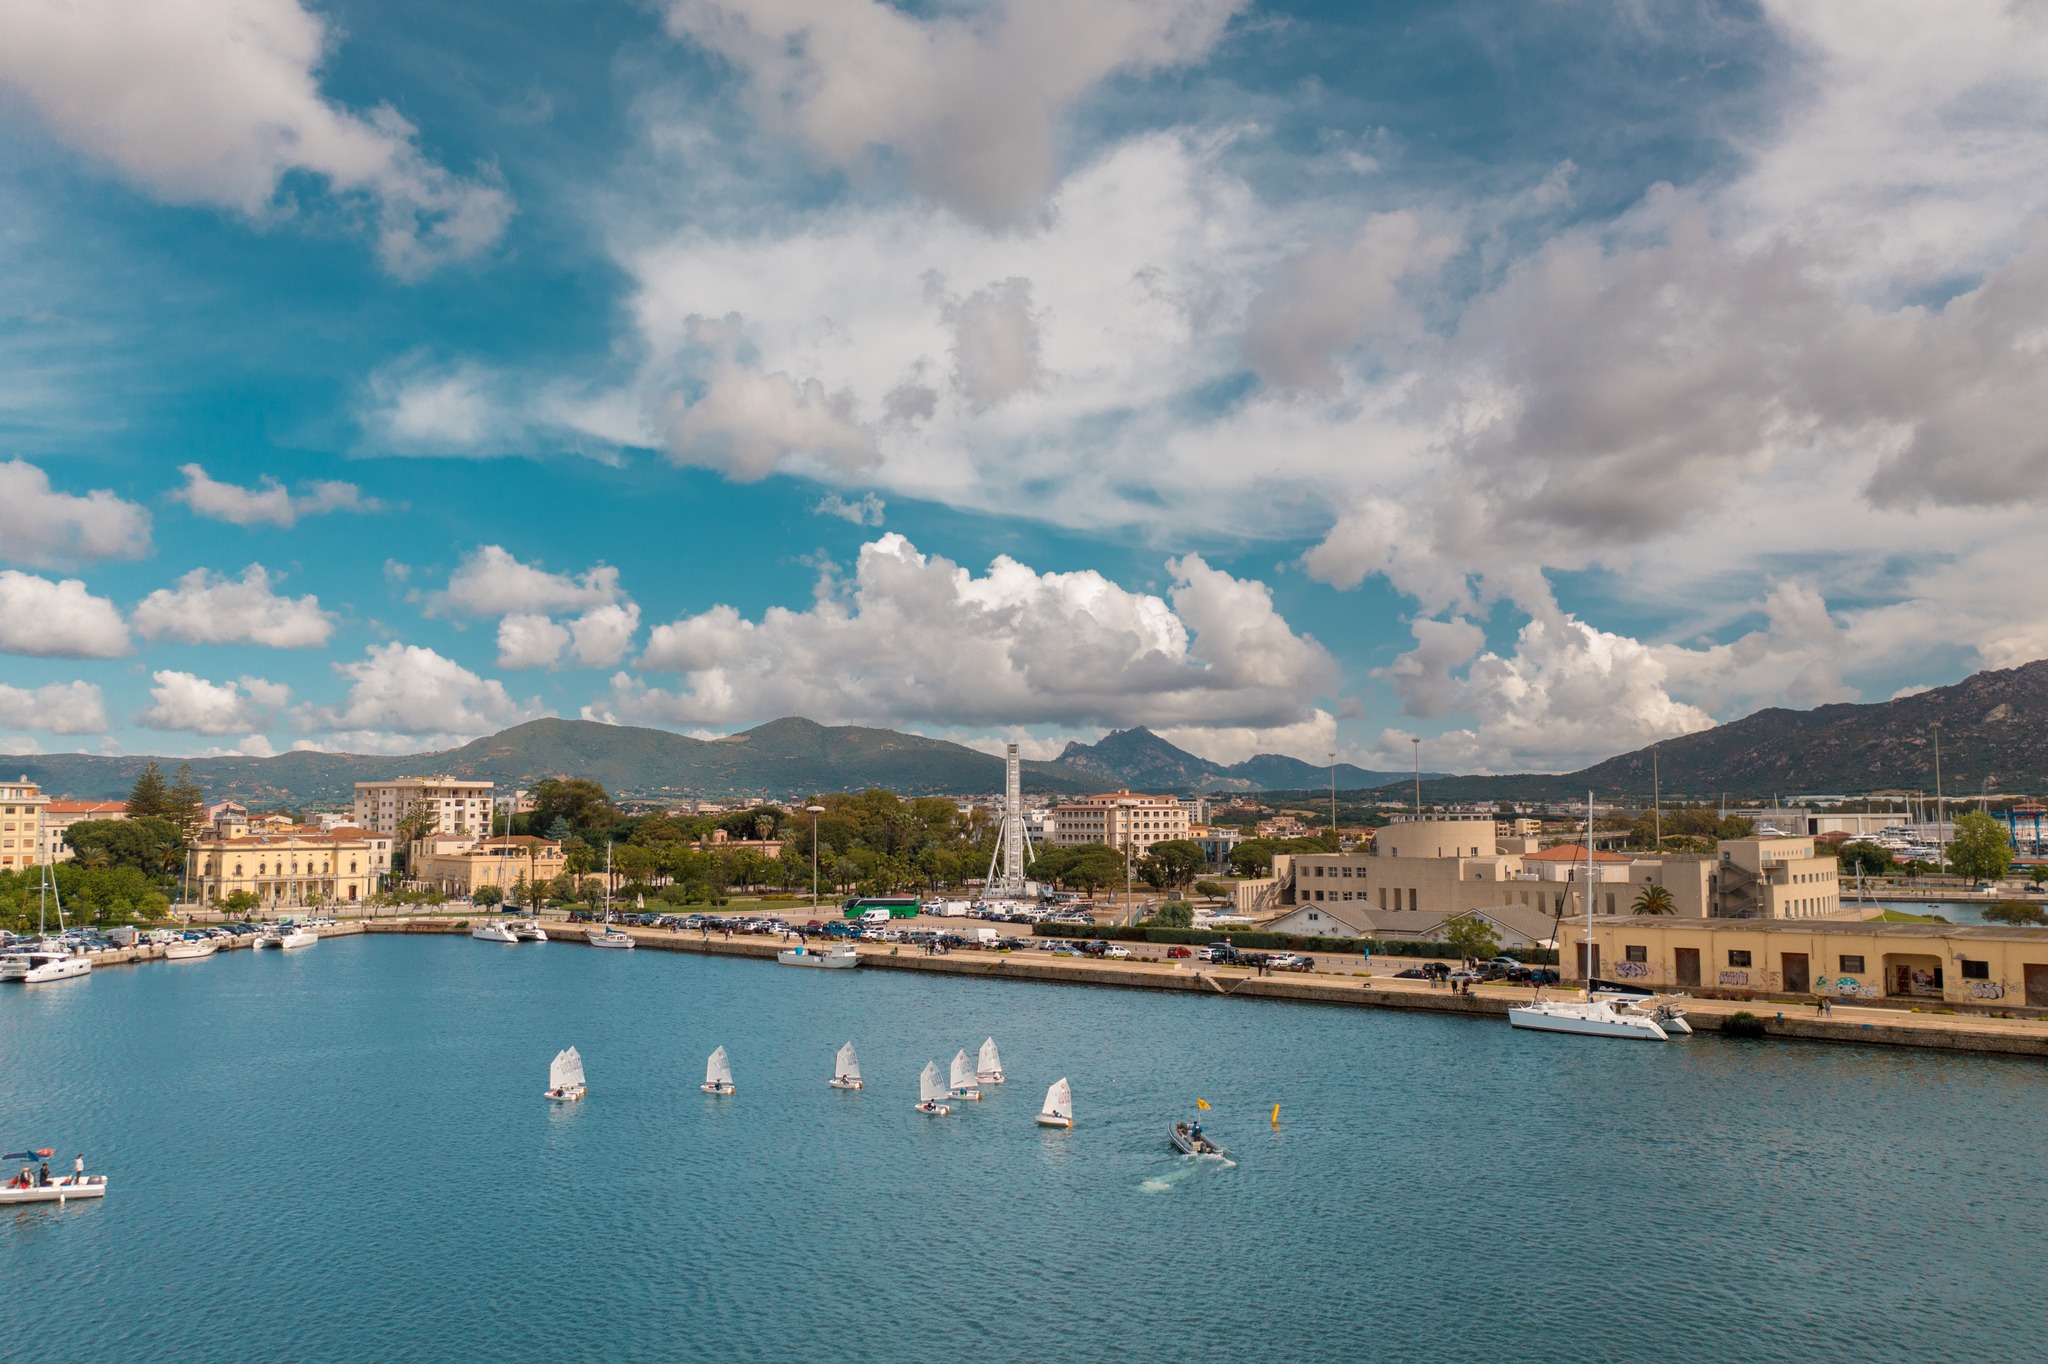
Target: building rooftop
86	807
1869	927
1573	852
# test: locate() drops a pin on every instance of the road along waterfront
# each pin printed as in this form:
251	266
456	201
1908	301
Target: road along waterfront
344	1154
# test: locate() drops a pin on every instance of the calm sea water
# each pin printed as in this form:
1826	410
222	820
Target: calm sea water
342	1154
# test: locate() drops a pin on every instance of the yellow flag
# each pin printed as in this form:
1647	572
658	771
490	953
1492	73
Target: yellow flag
1201	1103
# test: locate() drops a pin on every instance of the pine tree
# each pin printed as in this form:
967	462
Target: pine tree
150	797
187	800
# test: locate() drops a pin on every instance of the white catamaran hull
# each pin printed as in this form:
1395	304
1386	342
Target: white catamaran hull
493	933
56	1191
529	931
1587	1020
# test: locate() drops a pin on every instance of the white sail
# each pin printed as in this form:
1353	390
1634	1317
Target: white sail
990	1062
718	1069
847	1067
566	1071
963	1071
1059	1100
929	1090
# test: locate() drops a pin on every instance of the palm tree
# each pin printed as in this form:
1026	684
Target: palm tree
1654	899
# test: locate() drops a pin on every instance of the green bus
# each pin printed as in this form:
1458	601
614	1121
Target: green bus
899	906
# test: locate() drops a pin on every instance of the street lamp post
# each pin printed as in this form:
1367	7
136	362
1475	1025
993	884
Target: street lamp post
815	810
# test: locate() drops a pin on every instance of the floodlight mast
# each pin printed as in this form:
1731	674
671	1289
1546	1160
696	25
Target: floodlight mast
1014	845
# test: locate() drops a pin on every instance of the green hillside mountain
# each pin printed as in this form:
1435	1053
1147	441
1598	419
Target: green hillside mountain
1142	761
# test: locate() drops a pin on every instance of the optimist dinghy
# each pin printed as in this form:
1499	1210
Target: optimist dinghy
963	1077
846	1069
565	1077
717	1073
988	1067
1059	1105
930	1091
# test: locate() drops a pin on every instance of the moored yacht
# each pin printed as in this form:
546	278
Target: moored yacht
492	930
40	965
191	949
527	930
840	957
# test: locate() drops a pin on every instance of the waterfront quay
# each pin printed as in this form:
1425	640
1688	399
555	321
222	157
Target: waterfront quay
1363	986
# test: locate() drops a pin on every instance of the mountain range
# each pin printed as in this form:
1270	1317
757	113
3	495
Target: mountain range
1993	733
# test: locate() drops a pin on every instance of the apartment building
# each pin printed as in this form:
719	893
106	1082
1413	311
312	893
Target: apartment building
1121	819
458	806
21	824
60	815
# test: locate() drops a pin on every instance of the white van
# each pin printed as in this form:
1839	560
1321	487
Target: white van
874	918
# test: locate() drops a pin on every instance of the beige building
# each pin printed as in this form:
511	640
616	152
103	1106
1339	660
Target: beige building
21	824
1121	819
1777	878
457	806
459	867
294	868
60	815
1958	963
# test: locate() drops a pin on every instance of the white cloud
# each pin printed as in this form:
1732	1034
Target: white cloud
45	619
217	102
918	639
491	581
40	526
866	512
995	343
415	691
205	608
60	708
270	503
412	407
970	103
184	701
1337	292
530	641
602	634
749	423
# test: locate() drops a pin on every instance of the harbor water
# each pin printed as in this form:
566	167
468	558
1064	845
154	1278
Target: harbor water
343	1154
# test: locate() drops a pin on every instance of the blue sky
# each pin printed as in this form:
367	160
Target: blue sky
1541	379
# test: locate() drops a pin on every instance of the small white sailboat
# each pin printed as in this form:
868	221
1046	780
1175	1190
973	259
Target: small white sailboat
191	949
491	930
1058	1110
609	935
930	1091
717	1073
846	1069
963	1077
48	959
565	1077
988	1067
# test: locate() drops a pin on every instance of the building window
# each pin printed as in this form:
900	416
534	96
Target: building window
1852	966
1636	953
1976	970
1738	958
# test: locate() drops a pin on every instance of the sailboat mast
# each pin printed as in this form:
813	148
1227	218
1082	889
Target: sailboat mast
607	880
1589	897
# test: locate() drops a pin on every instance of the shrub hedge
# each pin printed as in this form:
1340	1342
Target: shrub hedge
1277	942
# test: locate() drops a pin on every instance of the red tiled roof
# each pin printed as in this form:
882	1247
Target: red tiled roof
86	807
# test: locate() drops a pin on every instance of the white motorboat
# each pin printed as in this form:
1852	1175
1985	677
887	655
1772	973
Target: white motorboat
837	958
1058	1109
287	937
41	965
717	1073
527	930
191	949
608	937
846	1069
988	1067
1589	1016
30	1186
491	930
963	1078
930	1091
565	1077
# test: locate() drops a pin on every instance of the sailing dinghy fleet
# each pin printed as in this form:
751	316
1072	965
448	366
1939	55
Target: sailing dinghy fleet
961	1085
565	1077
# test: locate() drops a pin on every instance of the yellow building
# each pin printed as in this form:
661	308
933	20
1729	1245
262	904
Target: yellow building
293	868
21	824
1960	963
1777	878
459	868
1120	819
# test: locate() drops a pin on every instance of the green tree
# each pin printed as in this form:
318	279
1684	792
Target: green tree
150	797
2037	872
152	845
1860	856
583	805
486	896
1172	863
186	801
2014	912
1979	848
1471	937
1655	900
1172	914
240	902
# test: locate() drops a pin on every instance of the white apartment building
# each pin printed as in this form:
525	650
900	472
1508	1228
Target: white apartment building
21	824
1120	819
60	815
459	807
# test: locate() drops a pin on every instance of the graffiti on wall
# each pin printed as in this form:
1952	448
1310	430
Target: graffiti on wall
1846	986
1986	989
1735	977
1631	970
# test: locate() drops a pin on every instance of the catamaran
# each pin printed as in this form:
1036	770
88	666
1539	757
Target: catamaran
287	937
492	930
717	1073
930	1091
963	1077
1590	1016
609	935
565	1077
988	1068
527	930
846	1069
50	959
1058	1110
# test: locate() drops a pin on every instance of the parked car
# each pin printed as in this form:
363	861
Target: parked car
1291	961
1543	975
1180	953
1117	950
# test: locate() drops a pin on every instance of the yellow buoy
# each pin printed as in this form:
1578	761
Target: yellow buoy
1276	1115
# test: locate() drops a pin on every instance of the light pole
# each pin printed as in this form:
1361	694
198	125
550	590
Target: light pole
815	810
1417	741
1333	795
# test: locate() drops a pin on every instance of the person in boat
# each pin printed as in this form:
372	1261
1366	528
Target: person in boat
43	1179
78	1169
1195	1134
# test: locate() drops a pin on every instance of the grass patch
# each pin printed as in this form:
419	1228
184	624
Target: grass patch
1900	916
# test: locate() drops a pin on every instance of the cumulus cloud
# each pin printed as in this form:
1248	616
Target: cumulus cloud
492	581
530	641
218	101
207	608
59	708
1336	292
412	691
414	406
600	636
969	102
40	526
269	503
921	640
187	702
45	619
748	423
